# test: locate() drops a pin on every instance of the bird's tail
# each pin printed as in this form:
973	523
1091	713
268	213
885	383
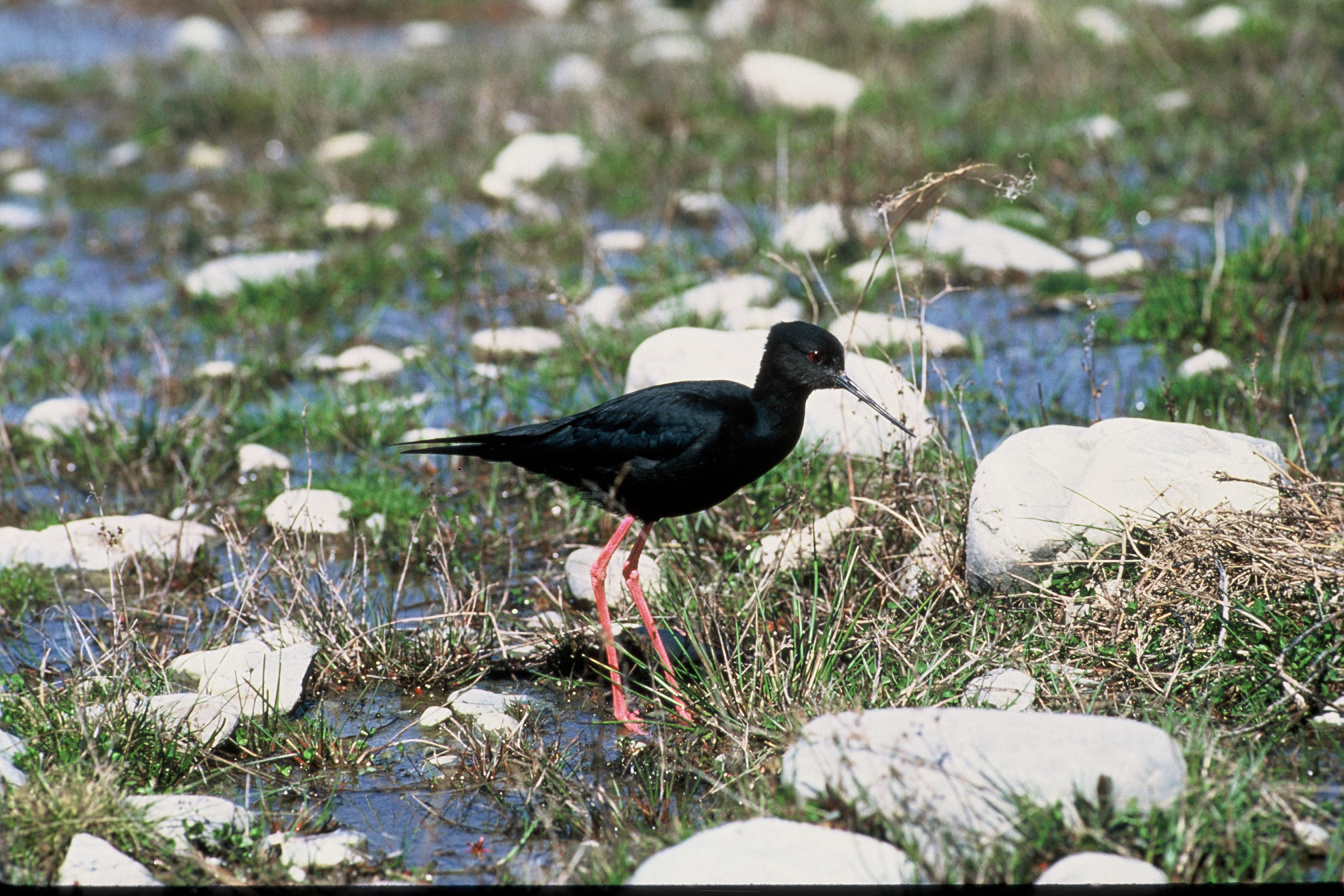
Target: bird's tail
484	446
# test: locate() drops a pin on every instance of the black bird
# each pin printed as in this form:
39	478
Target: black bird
671	450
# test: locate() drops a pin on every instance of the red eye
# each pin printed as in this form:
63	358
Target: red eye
814	357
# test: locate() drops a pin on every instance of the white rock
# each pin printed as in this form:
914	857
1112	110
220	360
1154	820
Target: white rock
1206	362
1172	100
201	34
1100	128
798	548
319	850
753	318
1124	263
513	342
868	328
99	544
225	276
579	563
1312	835
253	457
1090	247
779	79
550	9
955	773
206	719
12	158
208	816
1218	22
668	49
28	182
1195	215
10	747
1102	24
425	34
717	298
905	12
496	723
988	245
814	230
311	510
215	370
772	851
1044	494
93	862
1101	868
124	154
930	560
732	18
19	218
836	421
284	24
368	362
474	701
358	216
202	156
578	73
339	147
434	716
604	307
256	679
620	241
1008	689
656	17
53	418
425	433
701	207
529	158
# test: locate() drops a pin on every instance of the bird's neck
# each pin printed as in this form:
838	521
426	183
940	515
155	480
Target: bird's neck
778	404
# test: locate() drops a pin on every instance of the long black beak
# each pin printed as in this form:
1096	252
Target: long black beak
848	385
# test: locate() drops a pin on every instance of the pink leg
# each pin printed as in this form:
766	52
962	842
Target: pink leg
599	575
632	580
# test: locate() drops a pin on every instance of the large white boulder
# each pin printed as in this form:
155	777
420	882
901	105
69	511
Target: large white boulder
104	543
765	851
1044	494
837	422
951	777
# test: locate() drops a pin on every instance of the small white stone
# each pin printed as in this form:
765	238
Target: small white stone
549	9
722	297
215	370
496	723
604	307
1172	100
1218	22
93	862
797	548
319	850
669	49
1196	215
1100	128
1209	361
1100	868
200	34
49	420
1090	247
19	218
576	72
529	158
732	18
208	816
866	328
814	230
202	156
358	216
426	34
1124	263
342	146
28	182
1007	689
12	158
772	79
514	342
434	716
225	276
578	575
426	433
620	241
315	511
253	457
284	24
1312	835
701	207
1102	24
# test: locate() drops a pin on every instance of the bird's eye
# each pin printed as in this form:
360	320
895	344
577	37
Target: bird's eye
814	357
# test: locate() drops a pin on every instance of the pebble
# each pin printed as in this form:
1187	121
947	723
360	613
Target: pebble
814	230
578	567
215	370
798	548
732	18
339	147
1101	128
17	217
669	49
511	343
578	73
1207	362
425	34
863	329
1105	26
200	34
1218	22
1124	263
202	156
780	79
313	511
1007	689
253	457
358	216
28	182
529	158
620	241
223	277
49	420
605	307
